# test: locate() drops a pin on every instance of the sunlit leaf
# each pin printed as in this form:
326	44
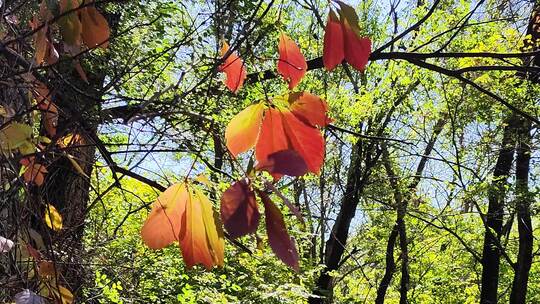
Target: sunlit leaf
292	64
163	225
242	131
53	219
95	28
212	225
234	69
278	237
239	211
333	48
310	109
357	49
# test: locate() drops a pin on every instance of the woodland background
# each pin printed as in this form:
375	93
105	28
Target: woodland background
428	193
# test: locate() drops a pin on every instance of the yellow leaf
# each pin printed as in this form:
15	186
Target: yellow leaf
15	135
76	165
53	219
243	130
214	230
70	25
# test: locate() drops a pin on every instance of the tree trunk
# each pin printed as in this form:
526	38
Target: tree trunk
523	203
494	216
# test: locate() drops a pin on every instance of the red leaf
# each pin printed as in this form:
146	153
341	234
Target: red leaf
278	237
243	130
333	52
239	211
233	67
285	162
357	49
310	109
281	130
292	64
95	28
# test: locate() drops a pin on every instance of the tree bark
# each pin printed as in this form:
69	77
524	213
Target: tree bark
494	217
523	203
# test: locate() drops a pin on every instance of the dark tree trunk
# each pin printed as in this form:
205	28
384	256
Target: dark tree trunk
494	217
523	203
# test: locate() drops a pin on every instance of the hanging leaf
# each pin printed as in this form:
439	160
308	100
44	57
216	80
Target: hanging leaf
310	109
183	213
242	131
95	28
70	25
162	227
239	211
234	69
292	64
28	297
5	244
53	219
333	47
41	44
278	237
283	131
285	162
200	245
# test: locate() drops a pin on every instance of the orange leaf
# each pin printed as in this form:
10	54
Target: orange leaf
278	237
333	52
164	223
292	64
33	172
239	211
310	109
95	28
273	138
233	67
40	40
182	213
243	130
281	130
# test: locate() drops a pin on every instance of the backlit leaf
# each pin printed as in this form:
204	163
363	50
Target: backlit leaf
278	237
357	49
234	69
285	162
163	225
239	211
310	109
243	130
273	137
213	227
95	28
292	64
53	219
70	25
333	48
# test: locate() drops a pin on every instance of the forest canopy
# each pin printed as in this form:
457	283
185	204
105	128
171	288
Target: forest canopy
304	151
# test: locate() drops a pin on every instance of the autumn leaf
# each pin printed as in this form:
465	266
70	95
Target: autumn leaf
41	44
310	109
333	47
183	213
234	69
163	225
342	40
14	135
283	131
242	131
95	28
292	64
200	241
34	172
239	211
47	270
281	243
53	219
70	25
285	162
